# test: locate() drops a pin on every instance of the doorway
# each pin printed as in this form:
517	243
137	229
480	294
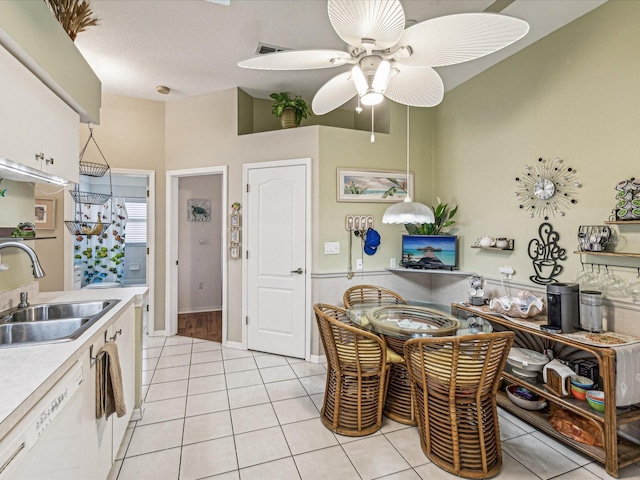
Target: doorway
200	257
137	189
190	243
276	290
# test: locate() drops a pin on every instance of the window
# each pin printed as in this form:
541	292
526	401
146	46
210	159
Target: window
136	228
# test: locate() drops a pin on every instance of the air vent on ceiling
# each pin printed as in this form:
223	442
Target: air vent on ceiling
263	49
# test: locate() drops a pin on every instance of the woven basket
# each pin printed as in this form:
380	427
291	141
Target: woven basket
288	118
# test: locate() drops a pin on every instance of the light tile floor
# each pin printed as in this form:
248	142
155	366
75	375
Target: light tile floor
217	413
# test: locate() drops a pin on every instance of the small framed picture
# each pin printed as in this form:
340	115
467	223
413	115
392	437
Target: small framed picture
235	220
234	252
45	214
235	236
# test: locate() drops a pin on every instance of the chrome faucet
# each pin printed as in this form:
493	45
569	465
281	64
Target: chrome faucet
38	272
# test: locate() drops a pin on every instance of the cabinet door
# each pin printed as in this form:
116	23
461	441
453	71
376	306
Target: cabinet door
126	341
20	112
60	137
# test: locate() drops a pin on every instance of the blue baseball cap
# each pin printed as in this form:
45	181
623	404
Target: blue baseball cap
371	242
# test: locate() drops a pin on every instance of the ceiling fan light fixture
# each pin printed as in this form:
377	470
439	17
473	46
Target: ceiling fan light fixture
381	78
371	97
359	80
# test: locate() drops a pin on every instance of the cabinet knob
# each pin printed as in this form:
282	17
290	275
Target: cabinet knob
40	156
49	161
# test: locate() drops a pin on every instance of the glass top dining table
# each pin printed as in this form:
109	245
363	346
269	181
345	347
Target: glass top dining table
417	319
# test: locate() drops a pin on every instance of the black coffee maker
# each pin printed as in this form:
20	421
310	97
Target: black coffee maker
563	307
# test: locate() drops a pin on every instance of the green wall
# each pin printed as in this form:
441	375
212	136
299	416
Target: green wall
572	95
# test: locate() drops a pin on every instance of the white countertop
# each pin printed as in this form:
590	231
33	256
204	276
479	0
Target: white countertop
27	372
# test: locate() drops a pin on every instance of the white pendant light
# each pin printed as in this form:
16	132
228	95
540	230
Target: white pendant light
408	211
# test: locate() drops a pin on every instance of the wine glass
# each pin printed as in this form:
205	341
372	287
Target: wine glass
612	285
588	280
633	288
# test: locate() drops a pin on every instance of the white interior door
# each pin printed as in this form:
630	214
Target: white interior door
276	259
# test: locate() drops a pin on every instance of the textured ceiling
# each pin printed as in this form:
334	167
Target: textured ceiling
193	46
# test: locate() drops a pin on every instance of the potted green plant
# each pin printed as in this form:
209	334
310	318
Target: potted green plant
443	216
291	111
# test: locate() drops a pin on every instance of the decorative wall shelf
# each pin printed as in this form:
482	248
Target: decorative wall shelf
493	248
609	254
622	222
426	270
509	247
5	236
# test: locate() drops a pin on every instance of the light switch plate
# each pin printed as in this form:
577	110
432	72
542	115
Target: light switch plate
331	248
358	264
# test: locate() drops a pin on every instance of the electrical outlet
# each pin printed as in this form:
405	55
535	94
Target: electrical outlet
200	285
358	264
392	263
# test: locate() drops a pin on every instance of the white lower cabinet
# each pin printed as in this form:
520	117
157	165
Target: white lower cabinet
102	437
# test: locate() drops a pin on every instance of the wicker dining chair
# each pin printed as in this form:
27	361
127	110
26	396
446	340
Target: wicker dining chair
454	381
398	403
370	294
357	373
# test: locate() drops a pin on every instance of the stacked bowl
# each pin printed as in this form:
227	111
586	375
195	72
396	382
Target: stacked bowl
579	386
595	399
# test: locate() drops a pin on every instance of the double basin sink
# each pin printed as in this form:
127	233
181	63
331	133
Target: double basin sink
50	322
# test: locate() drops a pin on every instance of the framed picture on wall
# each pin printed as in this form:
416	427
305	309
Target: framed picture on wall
198	210
235	220
388	186
234	252
234	237
45	214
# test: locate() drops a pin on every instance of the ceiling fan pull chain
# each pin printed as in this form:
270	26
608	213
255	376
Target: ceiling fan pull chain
373	137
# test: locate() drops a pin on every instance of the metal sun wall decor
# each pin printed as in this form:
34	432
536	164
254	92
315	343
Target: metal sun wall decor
545	253
547	188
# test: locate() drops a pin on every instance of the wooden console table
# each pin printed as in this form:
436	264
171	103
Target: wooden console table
616	452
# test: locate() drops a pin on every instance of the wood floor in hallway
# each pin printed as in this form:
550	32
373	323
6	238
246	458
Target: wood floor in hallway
203	325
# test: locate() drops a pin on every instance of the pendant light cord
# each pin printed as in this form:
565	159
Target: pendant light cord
373	136
407	178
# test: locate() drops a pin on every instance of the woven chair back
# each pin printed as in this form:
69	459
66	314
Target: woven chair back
370	294
356	374
454	382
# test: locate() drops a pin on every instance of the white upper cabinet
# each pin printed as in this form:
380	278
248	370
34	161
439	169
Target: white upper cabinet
37	128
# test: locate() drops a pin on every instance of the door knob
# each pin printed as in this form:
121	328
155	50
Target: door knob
299	271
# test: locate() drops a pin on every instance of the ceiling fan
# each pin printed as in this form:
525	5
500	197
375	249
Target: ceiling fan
389	60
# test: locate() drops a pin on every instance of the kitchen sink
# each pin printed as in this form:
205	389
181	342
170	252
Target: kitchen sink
53	311
50	323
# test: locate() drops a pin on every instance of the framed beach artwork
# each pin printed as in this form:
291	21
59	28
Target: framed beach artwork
45	209
388	186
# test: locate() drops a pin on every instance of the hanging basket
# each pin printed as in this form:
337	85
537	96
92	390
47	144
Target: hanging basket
90	198
93	169
85	228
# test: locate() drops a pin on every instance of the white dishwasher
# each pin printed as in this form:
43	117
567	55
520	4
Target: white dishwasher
47	443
